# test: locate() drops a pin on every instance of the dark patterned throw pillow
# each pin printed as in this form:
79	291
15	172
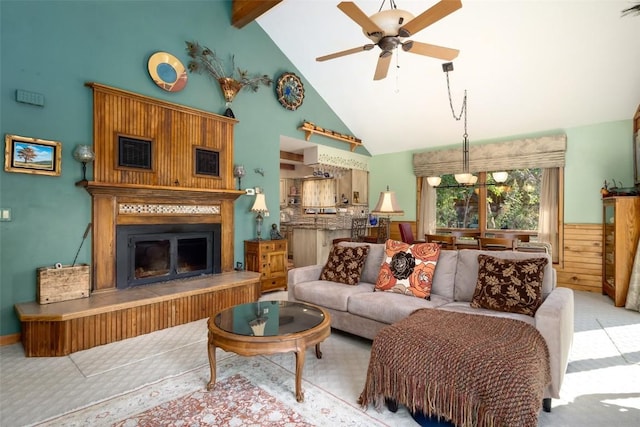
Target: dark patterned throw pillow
509	285
344	264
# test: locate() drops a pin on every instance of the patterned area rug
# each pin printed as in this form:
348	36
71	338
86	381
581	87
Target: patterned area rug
249	392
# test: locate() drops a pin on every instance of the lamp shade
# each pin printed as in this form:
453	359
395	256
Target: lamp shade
239	171
387	204
84	154
434	181
500	177
463	178
260	204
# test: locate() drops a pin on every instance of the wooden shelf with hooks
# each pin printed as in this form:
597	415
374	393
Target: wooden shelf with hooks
309	129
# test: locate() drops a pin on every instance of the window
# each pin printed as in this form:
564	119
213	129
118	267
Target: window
512	205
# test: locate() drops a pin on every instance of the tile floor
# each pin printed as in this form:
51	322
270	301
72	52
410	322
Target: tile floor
601	387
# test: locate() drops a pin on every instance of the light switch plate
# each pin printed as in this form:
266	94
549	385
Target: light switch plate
5	214
250	192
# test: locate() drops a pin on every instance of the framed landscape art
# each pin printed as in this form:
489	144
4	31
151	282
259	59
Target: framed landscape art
32	155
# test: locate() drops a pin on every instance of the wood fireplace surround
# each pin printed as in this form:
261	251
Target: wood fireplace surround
170	190
178	186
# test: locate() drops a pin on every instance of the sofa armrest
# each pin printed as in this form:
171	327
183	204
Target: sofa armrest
301	275
554	320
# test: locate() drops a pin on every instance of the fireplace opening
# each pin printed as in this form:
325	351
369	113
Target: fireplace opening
154	253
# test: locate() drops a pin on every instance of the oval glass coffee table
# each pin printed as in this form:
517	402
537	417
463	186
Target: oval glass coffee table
268	327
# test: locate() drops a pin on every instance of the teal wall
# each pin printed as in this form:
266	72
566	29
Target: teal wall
595	153
54	47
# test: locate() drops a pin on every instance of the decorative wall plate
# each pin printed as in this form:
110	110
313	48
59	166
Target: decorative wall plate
290	91
167	71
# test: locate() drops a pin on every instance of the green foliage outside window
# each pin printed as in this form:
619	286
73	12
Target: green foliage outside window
513	205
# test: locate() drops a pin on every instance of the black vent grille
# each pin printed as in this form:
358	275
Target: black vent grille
207	162
134	153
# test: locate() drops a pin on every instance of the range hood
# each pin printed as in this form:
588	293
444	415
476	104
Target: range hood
332	158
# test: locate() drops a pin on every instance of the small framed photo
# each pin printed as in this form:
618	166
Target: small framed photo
32	155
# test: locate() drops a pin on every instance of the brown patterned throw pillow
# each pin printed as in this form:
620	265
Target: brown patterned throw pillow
344	264
511	285
408	269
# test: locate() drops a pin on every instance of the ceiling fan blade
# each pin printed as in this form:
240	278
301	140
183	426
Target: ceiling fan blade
432	50
428	17
383	66
345	52
352	11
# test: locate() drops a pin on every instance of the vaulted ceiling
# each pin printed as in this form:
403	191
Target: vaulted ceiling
528	66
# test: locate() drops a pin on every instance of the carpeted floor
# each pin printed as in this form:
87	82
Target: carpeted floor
601	386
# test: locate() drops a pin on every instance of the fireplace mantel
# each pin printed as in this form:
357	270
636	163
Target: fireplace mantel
160	193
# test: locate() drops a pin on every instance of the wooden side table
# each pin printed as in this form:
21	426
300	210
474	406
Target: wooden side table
269	258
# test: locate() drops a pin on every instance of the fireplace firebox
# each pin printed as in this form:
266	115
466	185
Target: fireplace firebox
147	254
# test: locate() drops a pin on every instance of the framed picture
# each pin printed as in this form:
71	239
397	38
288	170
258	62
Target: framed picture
31	155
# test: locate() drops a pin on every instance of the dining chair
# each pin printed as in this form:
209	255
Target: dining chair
445	241
497	243
406	234
358	229
505	235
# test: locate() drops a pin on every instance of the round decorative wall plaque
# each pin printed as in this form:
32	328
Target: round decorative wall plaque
167	71
290	91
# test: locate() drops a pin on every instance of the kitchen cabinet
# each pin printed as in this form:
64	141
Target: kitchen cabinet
289	192
269	258
620	232
354	185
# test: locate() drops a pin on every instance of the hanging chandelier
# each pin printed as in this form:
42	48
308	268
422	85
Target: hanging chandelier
465	178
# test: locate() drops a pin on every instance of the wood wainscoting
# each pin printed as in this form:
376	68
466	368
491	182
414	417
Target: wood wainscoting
582	269
62	328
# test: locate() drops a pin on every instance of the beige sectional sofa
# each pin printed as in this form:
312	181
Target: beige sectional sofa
361	311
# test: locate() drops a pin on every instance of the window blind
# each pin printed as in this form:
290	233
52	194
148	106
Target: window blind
541	152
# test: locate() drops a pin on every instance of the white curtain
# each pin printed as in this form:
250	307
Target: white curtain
548	214
427	220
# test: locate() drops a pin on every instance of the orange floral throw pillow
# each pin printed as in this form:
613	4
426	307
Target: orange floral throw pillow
511	285
408	269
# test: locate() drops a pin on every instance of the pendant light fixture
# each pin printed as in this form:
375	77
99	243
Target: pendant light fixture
465	178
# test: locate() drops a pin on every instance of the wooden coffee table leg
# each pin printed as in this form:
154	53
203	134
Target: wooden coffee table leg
318	352
212	364
299	366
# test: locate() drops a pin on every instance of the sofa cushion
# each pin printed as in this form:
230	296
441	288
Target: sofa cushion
445	274
344	264
408	269
467	271
513	286
465	307
373	261
327	294
389	307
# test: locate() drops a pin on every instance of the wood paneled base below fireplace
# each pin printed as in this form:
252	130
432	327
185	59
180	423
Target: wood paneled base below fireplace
62	328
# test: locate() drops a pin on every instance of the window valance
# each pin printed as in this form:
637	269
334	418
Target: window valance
541	152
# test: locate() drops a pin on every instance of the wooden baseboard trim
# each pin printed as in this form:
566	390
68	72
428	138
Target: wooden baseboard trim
9	339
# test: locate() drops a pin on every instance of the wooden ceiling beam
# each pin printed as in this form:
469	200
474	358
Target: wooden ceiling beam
286	155
245	11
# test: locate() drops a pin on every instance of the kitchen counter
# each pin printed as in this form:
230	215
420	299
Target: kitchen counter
312	243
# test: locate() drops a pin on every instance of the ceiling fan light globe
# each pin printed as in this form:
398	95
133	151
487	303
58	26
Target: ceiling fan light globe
389	21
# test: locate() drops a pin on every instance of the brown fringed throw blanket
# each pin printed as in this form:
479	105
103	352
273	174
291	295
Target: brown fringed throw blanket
469	369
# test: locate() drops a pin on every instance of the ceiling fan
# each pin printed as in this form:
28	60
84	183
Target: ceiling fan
387	29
